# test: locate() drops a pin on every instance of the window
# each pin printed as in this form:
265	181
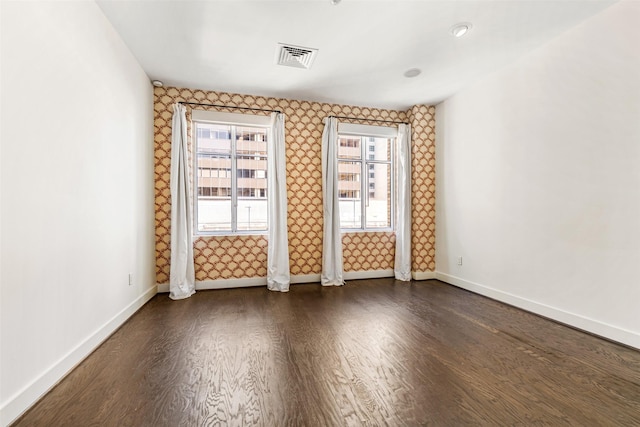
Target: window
230	174
365	181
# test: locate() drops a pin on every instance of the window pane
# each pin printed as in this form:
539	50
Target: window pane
250	140
349	187
252	213
378	212
214	172
213	138
349	147
214	214
350	213
252	192
378	149
214	193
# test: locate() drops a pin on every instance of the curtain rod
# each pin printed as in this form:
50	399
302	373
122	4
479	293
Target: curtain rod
370	120
229	106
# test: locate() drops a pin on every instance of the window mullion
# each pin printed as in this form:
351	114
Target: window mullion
195	143
392	183
234	182
364	183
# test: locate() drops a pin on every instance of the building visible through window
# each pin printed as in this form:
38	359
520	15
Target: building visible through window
365	182
230	178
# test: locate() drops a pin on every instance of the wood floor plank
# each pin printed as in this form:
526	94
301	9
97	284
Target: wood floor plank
372	353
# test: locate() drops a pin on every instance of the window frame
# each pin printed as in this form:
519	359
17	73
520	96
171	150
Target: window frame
364	132
233	120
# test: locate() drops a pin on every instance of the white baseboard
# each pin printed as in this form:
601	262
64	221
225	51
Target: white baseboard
367	274
593	326
262	281
305	278
245	282
423	275
25	398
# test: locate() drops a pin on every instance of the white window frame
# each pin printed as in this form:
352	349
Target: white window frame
227	119
363	131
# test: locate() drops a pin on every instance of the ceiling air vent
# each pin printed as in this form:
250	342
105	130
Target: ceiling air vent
296	56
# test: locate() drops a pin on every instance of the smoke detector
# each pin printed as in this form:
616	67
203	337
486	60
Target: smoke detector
296	56
460	29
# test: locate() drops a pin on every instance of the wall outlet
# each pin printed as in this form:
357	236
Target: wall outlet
130	279
459	260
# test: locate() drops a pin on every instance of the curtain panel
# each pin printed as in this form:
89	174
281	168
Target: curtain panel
182	272
278	275
402	264
332	274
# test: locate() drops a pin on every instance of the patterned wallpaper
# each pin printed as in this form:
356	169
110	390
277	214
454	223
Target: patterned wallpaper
368	251
423	187
224	257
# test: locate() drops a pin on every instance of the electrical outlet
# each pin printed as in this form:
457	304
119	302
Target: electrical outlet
130	279
459	260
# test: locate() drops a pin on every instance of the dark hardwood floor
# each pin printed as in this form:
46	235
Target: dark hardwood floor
371	353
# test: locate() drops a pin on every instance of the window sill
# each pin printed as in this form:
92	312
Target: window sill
360	230
230	234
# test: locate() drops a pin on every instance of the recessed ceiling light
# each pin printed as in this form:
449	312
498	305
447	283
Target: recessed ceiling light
413	72
460	29
157	83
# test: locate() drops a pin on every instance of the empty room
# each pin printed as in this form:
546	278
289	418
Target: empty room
319	213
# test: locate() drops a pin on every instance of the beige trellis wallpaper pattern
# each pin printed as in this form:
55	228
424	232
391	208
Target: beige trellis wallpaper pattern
224	257
423	187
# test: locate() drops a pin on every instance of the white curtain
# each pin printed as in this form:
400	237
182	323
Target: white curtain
402	265
182	274
331	238
278	276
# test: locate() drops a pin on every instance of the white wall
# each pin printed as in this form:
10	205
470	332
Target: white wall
538	179
77	192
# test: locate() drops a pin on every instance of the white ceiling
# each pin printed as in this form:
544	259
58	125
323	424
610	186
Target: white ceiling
365	46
